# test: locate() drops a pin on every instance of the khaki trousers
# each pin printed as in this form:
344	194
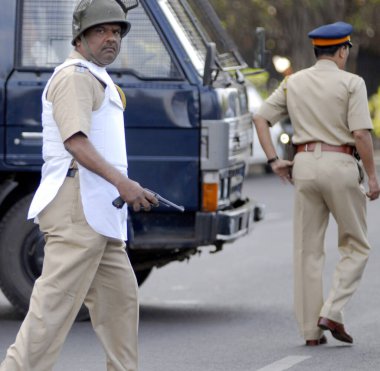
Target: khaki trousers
79	266
326	182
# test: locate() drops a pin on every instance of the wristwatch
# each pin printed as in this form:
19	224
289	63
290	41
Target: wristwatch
273	159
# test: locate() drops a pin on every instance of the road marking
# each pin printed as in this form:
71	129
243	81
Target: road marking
284	363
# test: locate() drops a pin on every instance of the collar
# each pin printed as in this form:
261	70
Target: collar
326	64
76	55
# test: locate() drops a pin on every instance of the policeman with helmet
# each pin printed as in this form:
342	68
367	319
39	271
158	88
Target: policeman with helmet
90	13
85	169
329	112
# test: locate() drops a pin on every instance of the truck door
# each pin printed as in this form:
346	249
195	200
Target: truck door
7	26
162	114
162	118
39	47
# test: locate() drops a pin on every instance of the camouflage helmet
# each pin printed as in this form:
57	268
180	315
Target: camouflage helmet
89	13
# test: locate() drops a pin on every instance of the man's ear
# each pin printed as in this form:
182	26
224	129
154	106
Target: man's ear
342	51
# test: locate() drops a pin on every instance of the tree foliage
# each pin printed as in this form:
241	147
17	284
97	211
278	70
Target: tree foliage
374	107
287	23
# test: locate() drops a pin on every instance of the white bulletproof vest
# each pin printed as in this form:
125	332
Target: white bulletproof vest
107	136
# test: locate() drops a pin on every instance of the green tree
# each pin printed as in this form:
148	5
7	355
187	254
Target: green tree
287	23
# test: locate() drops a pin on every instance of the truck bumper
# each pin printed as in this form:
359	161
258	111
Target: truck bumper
227	226
193	230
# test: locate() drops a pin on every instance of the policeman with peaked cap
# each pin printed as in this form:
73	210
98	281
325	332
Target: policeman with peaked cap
328	109
85	169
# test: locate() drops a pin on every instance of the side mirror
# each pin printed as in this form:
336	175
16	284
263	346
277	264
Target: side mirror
210	65
260	52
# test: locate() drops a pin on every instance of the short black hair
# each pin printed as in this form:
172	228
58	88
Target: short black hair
319	51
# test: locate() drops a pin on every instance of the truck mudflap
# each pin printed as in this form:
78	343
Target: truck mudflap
228	225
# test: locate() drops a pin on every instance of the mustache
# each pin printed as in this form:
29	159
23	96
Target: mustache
112	45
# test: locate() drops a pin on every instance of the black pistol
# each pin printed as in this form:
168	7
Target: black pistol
119	202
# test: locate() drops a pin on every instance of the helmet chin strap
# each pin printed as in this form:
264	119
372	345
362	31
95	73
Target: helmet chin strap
90	53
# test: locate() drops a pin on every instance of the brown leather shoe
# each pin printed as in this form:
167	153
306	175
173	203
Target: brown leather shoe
315	342
337	329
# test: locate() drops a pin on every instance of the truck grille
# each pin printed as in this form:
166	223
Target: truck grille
240	138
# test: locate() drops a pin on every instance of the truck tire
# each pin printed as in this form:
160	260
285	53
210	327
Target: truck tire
21	254
21	257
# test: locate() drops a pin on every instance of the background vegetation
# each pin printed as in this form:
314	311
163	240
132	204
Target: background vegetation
287	23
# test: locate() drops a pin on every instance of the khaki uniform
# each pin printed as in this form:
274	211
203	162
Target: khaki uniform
80	265
325	104
71	82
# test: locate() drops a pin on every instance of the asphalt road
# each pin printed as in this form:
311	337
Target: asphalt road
232	311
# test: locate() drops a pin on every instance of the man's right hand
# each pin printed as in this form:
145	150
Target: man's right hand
283	168
136	196
130	191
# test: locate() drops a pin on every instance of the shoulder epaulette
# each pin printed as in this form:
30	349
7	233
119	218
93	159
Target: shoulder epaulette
80	68
122	95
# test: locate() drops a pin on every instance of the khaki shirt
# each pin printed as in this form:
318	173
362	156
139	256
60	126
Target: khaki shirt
323	102
75	93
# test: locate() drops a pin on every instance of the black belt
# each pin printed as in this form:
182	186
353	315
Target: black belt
71	172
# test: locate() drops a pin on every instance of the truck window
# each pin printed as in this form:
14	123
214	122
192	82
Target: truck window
183	23
195	24
45	40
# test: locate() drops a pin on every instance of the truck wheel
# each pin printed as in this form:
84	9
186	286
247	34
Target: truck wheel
21	256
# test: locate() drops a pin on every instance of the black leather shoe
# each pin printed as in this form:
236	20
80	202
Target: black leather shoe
315	342
337	329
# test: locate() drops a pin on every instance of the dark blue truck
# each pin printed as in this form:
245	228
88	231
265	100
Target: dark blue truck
188	130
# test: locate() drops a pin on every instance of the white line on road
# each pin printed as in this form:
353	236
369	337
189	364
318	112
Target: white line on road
284	363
